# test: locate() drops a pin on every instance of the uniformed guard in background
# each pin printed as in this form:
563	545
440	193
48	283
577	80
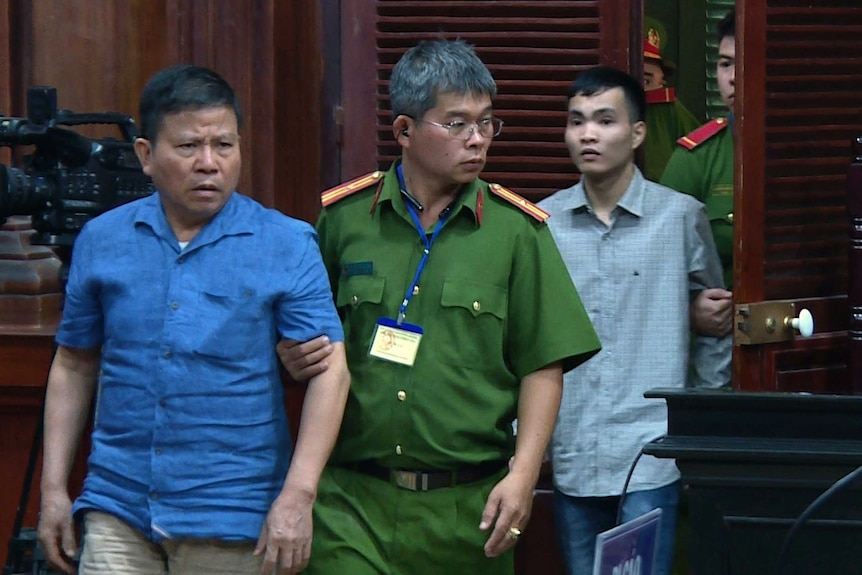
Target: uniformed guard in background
459	317
667	117
702	166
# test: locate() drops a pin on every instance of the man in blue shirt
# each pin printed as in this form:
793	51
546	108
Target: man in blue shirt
173	308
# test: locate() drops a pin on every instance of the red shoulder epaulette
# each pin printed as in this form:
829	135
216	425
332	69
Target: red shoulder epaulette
702	134
660	96
519	202
340	191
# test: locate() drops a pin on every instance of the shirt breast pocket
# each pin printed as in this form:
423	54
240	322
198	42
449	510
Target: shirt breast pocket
359	302
473	323
234	321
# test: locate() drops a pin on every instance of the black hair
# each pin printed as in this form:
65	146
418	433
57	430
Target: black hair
601	78
182	87
727	26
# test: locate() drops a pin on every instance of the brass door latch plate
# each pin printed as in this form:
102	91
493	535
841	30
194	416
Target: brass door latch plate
764	322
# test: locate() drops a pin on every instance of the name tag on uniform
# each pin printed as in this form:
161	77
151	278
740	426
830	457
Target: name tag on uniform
396	343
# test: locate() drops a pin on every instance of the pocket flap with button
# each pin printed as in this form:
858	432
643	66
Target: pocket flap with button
720	207
478	298
355	290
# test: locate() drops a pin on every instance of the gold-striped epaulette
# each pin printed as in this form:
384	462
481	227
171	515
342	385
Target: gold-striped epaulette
661	96
519	202
699	135
340	191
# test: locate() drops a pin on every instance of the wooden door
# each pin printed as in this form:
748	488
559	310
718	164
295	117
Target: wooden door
798	91
533	49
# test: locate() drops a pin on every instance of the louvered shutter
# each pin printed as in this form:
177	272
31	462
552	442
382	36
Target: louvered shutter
533	49
811	98
798	91
715	11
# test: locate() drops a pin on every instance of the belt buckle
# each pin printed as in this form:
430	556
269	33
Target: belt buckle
405	479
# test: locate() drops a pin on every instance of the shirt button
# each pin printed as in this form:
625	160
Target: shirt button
174	305
168	354
402	395
397	450
354	300
181	260
477	306
158	451
730	217
163	403
416	290
154	495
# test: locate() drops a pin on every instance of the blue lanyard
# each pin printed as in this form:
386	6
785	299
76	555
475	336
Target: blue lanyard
402	311
428	242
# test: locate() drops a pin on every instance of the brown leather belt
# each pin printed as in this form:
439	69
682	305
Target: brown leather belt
415	480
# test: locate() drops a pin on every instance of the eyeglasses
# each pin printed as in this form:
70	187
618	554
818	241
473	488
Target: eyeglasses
487	128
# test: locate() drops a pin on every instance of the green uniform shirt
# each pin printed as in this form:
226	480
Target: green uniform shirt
706	172
666	123
495	302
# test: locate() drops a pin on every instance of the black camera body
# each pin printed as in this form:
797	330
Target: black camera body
68	179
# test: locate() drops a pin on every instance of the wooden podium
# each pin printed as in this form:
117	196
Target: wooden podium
751	463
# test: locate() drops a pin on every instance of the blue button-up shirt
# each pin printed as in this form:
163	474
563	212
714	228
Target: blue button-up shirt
191	438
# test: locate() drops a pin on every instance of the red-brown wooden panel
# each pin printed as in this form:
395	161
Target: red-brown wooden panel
25	356
533	49
797	111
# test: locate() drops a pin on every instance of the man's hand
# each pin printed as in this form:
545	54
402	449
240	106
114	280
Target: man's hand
712	312
304	360
508	510
285	538
56	531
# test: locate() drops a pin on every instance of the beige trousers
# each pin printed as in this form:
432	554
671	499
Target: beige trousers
111	547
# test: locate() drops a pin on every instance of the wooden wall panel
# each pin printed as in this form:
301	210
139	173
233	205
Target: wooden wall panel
92	52
25	355
5	62
100	54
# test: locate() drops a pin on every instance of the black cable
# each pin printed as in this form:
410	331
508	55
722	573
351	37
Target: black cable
629	477
836	487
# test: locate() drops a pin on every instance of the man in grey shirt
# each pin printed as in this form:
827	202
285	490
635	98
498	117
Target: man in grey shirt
638	253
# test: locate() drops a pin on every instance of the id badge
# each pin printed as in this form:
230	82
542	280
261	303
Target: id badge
396	343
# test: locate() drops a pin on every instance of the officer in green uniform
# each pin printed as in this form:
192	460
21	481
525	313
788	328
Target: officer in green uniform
667	118
702	165
460	318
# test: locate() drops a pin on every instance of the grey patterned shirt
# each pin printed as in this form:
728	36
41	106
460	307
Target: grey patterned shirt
636	278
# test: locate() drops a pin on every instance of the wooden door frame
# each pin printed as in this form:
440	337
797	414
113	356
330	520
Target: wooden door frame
782	366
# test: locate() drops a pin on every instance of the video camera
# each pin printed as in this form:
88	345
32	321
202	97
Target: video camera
68	179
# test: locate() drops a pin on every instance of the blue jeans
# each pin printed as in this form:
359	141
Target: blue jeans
579	519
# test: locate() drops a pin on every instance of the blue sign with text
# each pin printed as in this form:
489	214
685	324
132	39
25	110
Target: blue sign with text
628	549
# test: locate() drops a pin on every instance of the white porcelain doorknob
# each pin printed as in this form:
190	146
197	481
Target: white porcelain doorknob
804	323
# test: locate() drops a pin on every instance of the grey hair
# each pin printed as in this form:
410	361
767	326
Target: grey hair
433	67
